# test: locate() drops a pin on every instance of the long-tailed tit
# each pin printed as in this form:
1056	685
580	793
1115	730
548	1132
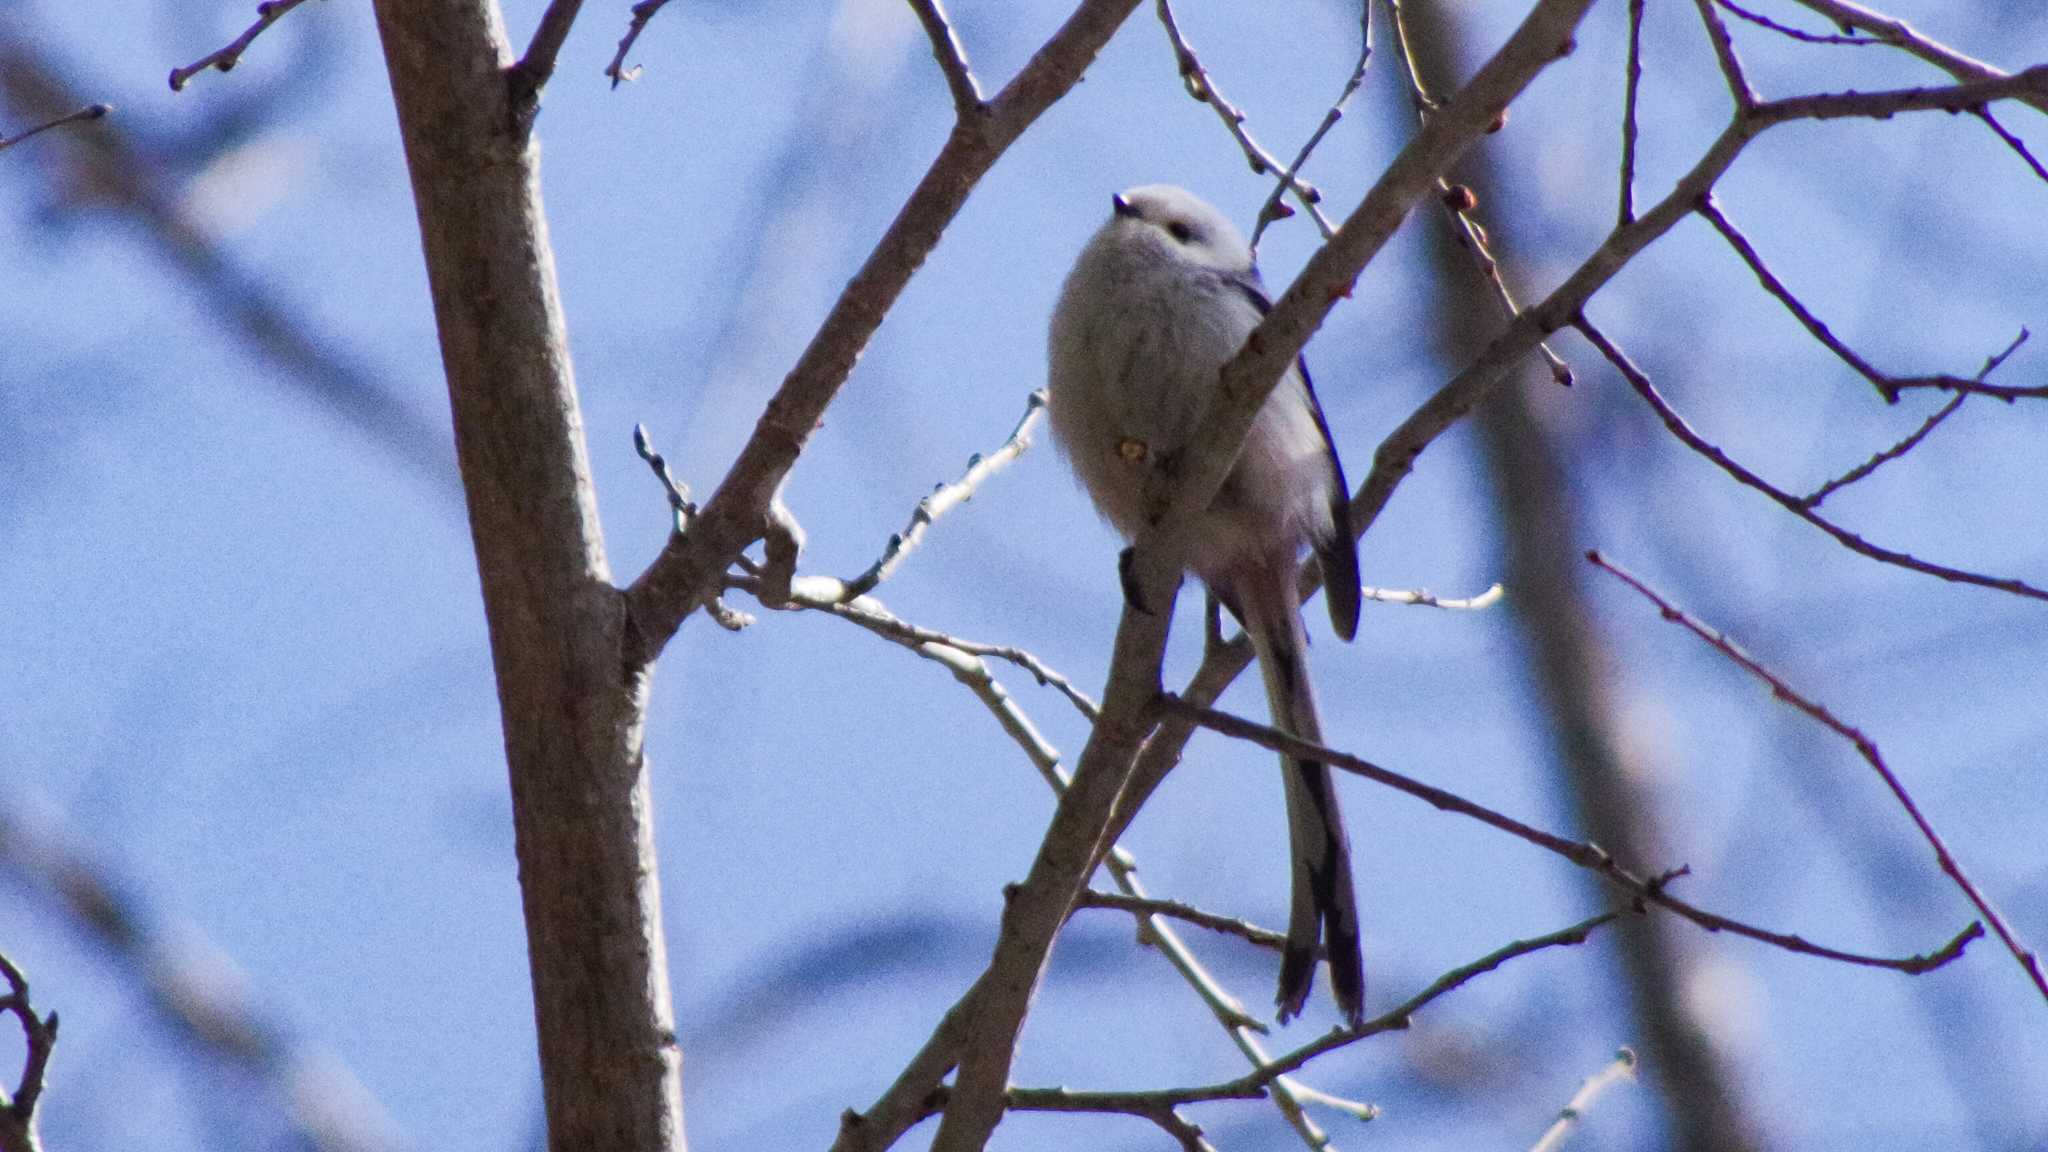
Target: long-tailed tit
1159	300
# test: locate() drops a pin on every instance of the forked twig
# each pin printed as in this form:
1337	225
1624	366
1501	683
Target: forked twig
1640	381
1202	87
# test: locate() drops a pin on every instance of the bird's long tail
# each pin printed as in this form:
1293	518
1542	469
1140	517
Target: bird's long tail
1324	907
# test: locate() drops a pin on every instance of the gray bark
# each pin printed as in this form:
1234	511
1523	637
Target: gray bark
572	703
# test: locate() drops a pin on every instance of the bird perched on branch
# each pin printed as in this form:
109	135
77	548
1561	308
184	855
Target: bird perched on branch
1160	299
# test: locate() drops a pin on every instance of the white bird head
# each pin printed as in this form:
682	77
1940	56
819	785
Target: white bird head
1180	225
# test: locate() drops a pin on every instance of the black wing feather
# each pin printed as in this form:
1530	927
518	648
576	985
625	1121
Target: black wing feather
1339	553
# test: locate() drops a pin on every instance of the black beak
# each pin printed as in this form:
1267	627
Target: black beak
1122	207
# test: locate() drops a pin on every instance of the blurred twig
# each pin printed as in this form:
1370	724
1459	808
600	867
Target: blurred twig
109	168
183	978
89	112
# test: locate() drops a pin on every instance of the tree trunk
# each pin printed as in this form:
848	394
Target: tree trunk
572	704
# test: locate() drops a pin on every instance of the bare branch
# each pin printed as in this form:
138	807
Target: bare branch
1460	202
1793	504
1153	1106
952	57
1423	598
1202	87
1275	207
642	13
1902	35
680	506
2011	140
1587	856
89	112
1395	1020
689	570
1912	439
1622	1067
1724	53
2029	85
946	498
1634	72
1397	453
267	13
39	1035
531	73
1865	747
1787	30
1151	906
1887	385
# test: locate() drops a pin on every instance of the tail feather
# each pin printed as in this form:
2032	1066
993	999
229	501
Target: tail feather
1323	909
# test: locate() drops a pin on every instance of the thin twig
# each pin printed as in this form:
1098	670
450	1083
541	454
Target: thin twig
951	55
267	13
868	613
1638	380
1142	1105
1202	87
948	496
1724	53
1588	856
1152	906
1887	385
89	112
690	569
1426	599
1901	35
1918	434
1275	207
1396	1019
1865	747
679	504
1787	30
2011	140
1911	441
1622	1067
642	13
1460	203
1627	213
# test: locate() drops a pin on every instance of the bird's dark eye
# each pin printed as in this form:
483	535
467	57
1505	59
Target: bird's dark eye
1179	230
